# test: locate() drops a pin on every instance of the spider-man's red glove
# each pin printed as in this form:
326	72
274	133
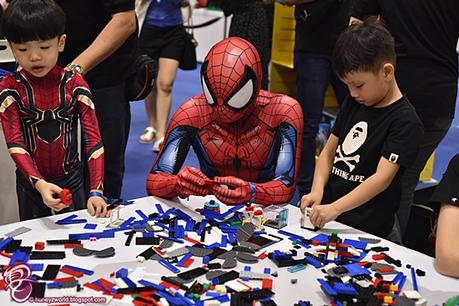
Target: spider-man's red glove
191	181
238	191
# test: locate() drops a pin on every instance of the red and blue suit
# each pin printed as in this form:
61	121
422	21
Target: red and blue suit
39	117
247	140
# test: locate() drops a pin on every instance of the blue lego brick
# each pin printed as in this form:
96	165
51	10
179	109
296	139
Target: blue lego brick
202	226
326	288
36	267
267	271
401	283
397	278
159	208
322	238
291	235
232	238
141	214
413	279
150	284
73	221
121	273
189	225
169	266
54	285
314	262
19	256
179	231
4	243
213	245
182	215
129	282
361	245
355	269
224	241
183	259
170	238
343	289
167	228
148	234
90	226
85	271
127	222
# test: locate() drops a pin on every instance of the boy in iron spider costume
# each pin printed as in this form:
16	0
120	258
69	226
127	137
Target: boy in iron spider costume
39	111
247	140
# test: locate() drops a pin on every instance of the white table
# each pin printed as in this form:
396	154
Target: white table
434	287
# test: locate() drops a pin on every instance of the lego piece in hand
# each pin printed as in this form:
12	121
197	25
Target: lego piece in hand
66	197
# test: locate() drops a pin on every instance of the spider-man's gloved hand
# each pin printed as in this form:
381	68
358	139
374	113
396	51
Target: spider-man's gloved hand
232	190
191	181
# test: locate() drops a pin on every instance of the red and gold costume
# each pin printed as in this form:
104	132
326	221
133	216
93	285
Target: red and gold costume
39	118
246	139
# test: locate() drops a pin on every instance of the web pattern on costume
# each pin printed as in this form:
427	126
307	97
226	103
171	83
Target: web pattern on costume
40	125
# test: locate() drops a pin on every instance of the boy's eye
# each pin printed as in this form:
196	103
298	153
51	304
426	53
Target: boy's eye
22	49
360	86
44	47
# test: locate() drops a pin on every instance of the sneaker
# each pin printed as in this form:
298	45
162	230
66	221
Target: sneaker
148	135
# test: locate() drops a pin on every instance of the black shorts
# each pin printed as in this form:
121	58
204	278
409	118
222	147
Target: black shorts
162	42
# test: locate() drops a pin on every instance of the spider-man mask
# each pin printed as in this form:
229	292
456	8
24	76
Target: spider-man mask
231	78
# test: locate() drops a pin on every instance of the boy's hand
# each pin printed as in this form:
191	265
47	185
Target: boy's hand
97	207
47	191
310	199
322	214
191	181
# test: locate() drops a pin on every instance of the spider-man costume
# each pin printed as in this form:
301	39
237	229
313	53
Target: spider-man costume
247	140
39	118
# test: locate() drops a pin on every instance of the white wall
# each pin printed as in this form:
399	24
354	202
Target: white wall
8	200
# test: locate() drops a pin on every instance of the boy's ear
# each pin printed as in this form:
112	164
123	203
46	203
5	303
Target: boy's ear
62	42
389	71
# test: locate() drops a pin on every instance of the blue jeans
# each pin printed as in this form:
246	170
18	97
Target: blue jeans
313	73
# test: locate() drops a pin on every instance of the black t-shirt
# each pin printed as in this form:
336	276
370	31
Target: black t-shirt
448	189
365	135
85	20
321	38
426	34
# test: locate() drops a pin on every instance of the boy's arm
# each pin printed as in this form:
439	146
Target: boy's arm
14	138
321	174
446	250
91	138
372	186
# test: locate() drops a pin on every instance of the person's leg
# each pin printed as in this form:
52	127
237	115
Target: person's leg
164	83
434	132
30	202
150	108
312	78
113	115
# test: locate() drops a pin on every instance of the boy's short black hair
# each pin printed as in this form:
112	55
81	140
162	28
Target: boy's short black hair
363	47
28	20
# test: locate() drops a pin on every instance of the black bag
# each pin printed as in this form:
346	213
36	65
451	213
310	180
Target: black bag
188	60
141	78
312	13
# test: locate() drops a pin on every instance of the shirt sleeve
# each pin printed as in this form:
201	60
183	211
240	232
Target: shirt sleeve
404	136
14	136
117	6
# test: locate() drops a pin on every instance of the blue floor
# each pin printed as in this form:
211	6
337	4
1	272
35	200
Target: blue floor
139	157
